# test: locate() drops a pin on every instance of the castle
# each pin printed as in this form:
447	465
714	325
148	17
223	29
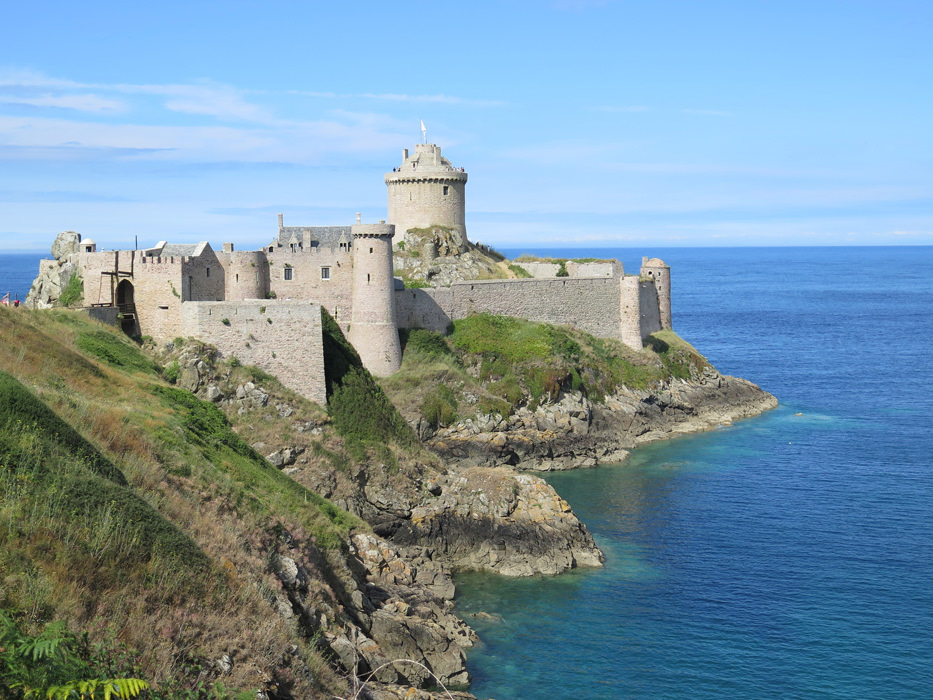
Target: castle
264	306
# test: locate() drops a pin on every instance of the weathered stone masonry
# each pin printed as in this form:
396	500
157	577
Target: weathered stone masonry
624	308
264	306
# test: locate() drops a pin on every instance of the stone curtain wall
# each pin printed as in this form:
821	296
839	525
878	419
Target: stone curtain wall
593	305
650	309
334	294
542	270
280	337
625	309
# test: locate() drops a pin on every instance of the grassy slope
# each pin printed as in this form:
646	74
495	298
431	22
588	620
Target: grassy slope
130	509
496	364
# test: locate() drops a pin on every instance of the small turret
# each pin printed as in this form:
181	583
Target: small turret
373	330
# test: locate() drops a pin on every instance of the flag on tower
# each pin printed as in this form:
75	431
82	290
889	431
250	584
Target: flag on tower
424	133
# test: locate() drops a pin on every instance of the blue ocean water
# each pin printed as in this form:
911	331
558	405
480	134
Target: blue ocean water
787	556
17	271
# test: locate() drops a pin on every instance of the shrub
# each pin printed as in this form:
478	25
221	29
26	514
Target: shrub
360	410
427	343
519	271
172	372
73	292
439	407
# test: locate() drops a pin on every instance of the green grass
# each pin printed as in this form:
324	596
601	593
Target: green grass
506	363
115	349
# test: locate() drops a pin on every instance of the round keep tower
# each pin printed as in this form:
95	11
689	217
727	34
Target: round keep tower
427	191
658	272
373	331
247	273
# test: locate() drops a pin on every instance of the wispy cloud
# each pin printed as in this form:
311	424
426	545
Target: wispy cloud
577	5
707	112
401	97
79	103
632	108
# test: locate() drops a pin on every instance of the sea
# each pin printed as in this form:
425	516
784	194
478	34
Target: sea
785	556
17	271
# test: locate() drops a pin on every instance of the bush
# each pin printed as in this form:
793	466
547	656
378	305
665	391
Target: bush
519	271
439	407
361	412
73	292
427	343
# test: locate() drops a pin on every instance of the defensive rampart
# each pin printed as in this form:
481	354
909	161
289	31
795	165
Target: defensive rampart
605	307
280	337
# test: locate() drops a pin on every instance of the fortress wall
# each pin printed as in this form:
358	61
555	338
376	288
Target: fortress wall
204	277
611	268
333	293
158	291
650	315
630	302
97	288
280	337
589	304
540	269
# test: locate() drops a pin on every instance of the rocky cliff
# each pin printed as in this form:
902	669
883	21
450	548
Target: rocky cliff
576	432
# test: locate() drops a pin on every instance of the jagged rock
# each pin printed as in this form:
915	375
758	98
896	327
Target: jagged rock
224	664
573	432
494	519
65	244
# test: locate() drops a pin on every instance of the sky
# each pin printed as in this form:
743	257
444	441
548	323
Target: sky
581	123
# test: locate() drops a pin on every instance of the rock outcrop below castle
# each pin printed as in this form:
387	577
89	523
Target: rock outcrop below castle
575	432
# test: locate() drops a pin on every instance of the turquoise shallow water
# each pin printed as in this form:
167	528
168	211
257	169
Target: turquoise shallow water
787	556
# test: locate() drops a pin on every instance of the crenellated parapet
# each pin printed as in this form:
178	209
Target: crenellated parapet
427	191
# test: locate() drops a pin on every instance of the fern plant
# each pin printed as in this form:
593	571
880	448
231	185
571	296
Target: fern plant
48	665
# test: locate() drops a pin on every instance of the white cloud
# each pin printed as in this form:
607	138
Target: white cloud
707	112
631	108
80	103
401	97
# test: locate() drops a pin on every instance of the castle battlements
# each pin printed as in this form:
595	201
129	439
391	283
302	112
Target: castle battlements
263	306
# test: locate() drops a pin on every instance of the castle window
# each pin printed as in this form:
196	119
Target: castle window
288	273
325	273
294	247
367	278
370	251
446	188
207	270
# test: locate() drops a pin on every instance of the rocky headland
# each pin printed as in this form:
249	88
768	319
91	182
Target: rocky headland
452	487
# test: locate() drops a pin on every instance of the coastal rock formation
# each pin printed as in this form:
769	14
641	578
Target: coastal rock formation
55	275
496	520
575	432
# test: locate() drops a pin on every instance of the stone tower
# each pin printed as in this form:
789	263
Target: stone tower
427	191
373	331
658	272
